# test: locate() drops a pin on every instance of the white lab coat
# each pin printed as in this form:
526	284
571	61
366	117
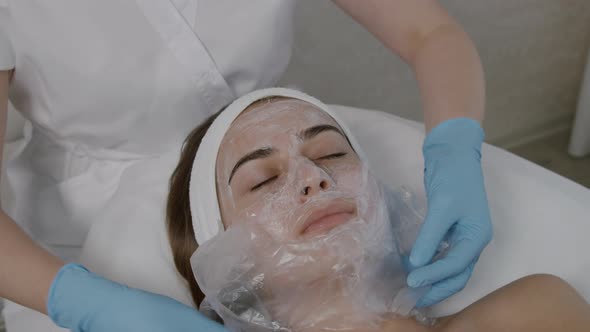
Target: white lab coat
110	90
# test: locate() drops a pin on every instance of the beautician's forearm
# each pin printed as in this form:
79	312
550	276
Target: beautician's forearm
26	270
450	76
444	59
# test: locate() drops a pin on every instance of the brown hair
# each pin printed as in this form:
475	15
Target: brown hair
178	213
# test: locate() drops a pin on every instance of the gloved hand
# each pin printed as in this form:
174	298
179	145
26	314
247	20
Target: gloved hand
85	302
457	210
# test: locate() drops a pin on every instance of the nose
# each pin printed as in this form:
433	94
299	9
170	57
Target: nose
316	180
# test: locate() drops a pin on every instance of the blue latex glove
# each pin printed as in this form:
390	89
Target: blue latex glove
457	210
85	302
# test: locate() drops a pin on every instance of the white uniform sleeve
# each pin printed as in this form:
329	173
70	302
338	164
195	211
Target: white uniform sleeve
7	57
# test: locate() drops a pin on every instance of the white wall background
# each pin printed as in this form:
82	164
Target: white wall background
533	53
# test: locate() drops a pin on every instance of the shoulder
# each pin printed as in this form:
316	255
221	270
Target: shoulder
538	302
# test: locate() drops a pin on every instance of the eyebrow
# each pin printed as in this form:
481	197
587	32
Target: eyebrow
265	152
312	132
256	154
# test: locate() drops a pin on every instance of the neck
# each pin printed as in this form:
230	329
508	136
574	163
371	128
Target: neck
319	310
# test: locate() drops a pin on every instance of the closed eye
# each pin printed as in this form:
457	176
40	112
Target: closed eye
271	179
267	181
333	156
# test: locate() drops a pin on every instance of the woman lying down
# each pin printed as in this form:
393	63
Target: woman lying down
295	234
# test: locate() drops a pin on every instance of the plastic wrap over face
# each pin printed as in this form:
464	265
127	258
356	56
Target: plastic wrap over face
312	241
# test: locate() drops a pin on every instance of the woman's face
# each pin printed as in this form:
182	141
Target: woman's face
286	168
287	165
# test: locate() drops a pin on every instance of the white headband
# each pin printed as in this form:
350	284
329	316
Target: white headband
202	188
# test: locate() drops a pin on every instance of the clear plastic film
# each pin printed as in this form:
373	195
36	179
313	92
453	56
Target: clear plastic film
323	246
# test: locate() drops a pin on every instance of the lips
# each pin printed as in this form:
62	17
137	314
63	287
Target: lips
327	217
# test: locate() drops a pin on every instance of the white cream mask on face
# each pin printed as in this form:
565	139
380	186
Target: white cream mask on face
202	189
280	162
275	268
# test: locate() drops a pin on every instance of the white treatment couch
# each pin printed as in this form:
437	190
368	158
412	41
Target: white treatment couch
541	220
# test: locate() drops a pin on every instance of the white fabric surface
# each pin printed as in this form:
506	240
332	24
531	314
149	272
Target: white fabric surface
540	219
112	65
204	204
99	80
6	52
580	140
